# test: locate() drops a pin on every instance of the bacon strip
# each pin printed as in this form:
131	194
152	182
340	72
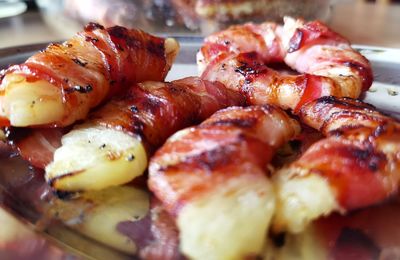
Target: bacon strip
156	110
327	64
141	120
205	174
358	163
94	65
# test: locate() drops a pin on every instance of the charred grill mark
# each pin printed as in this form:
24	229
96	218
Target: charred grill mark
247	122
380	130
151	103
173	89
344	102
93	26
269	109
249	67
209	160
118	32
244	69
347	129
136	127
119	47
250	56
368	158
355	119
122	33
65	195
214	159
337	132
79	62
54	45
91	39
60	193
134	109
295	41
279	239
2	75
365	72
81	89
156	47
130	158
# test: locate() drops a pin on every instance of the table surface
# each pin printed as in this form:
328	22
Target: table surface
368	23
363	23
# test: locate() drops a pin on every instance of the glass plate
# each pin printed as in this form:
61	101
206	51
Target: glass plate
18	181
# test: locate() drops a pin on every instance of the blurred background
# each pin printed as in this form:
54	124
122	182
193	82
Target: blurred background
26	22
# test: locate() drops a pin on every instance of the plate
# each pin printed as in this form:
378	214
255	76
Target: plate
15	173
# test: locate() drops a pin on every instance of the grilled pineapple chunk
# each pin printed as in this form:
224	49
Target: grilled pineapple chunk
228	223
30	103
95	157
301	200
96	214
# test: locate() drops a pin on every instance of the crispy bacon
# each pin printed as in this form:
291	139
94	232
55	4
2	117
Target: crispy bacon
151	110
222	144
358	162
247	74
156	110
361	159
328	65
215	167
329	114
94	65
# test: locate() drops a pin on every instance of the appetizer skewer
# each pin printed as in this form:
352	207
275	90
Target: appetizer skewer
356	165
237	56
60	84
113	146
213	179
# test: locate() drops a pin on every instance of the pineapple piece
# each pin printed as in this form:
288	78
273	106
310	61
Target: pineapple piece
95	157
30	103
300	200
230	222
172	48
96	214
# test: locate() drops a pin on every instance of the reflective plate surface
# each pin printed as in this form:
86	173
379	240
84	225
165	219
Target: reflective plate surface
17	181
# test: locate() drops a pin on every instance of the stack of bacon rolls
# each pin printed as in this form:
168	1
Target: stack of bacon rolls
189	168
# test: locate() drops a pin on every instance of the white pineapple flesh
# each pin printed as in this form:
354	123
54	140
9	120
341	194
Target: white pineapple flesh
95	157
301	198
230	222
30	103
